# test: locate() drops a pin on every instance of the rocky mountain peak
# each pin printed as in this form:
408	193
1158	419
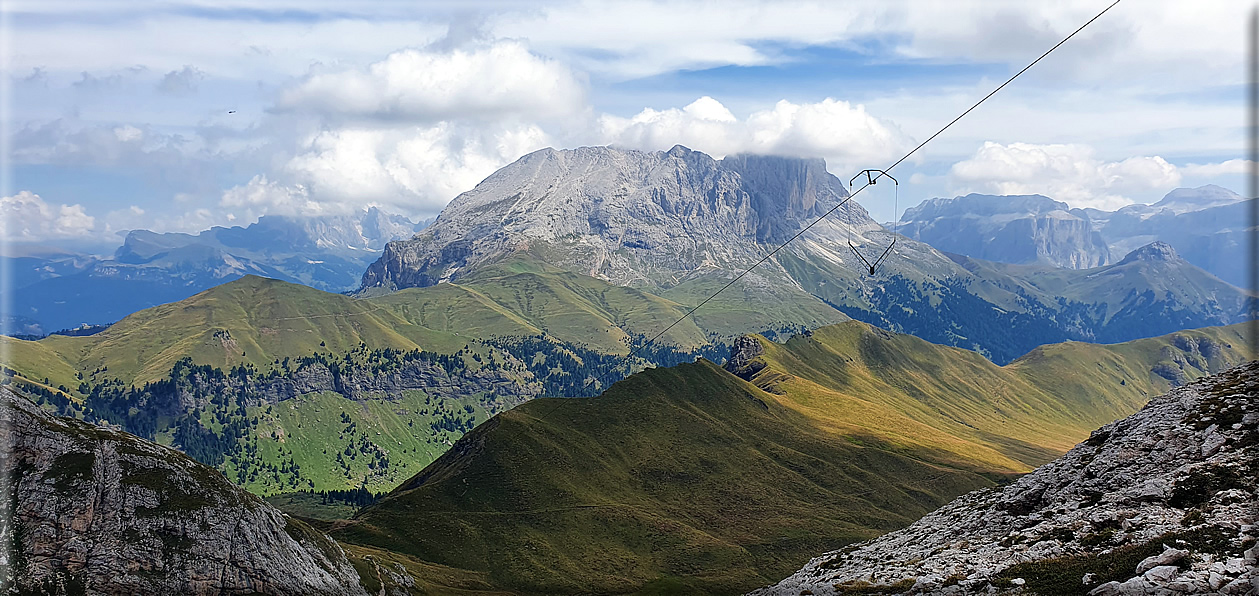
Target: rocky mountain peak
1155	252
631	217
743	361
1161	502
976	205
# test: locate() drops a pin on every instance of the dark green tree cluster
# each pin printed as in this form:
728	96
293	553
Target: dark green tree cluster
958	318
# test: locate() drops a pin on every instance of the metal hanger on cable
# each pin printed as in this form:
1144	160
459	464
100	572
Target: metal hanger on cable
872	178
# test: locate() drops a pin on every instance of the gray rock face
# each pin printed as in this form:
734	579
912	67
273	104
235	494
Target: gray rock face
1176	479
630	217
1154	252
1007	229
104	512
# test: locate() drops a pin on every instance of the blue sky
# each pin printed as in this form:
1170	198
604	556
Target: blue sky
117	113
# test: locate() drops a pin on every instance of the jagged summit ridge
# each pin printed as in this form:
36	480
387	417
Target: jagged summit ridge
1161	502
631	217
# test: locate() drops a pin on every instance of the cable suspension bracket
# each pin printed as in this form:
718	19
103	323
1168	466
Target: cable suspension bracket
872	177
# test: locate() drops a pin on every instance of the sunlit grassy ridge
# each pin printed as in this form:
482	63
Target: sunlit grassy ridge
853	376
262	323
256	321
693	478
686	473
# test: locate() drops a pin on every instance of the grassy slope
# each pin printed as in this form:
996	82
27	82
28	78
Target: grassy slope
918	394
1081	372
690	477
265	319
686	476
309	431
743	309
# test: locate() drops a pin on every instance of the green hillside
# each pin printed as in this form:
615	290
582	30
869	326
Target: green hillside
856	377
694	480
686	477
256	321
258	377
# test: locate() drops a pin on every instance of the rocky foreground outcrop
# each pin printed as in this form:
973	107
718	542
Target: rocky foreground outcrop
98	511
1162	502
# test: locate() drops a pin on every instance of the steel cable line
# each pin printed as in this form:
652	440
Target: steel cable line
633	353
854	193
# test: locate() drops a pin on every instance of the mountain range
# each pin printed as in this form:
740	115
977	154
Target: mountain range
1208	225
682	225
689	479
53	290
522	397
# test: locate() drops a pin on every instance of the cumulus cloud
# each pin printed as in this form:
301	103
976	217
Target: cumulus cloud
1067	172
1232	166
414	170
494	80
845	134
264	196
27	218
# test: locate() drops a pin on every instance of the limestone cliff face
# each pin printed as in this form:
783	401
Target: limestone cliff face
630	217
1162	502
1008	229
104	512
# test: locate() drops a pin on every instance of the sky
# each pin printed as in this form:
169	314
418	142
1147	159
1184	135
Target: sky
177	116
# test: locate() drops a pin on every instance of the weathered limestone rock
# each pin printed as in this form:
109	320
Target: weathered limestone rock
104	512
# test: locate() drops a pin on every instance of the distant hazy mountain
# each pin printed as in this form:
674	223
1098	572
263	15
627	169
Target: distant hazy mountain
1206	225
1008	229
53	291
1151	291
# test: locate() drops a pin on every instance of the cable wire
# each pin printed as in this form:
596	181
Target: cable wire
854	193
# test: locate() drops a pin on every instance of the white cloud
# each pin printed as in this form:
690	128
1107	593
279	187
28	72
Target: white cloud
164	40
1232	166
262	196
127	133
332	114
414	170
495	80
844	134
635	38
27	218
1070	173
